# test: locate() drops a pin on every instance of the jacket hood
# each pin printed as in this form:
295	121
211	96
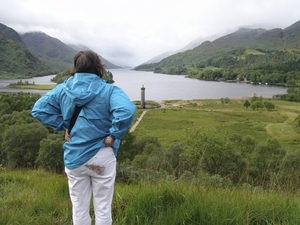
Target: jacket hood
83	87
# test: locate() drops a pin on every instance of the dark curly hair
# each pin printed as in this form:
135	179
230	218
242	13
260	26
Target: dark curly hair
88	61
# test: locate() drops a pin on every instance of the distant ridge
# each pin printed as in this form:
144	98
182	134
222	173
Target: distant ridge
243	38
51	50
16	59
108	65
55	52
35	54
160	57
10	34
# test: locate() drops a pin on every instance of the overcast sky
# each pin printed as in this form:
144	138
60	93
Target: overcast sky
131	32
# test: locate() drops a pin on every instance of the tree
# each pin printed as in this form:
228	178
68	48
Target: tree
17	118
248	145
266	160
253	106
50	155
247	104
144	141
213	154
60	77
127	150
108	76
150	157
260	105
254	98
172	159
290	171
21	144
269	106
147	149
16	102
257	105
225	100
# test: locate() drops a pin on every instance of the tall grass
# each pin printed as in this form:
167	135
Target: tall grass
33	197
37	197
179	203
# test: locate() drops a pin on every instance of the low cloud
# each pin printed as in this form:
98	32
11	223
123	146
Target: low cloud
130	32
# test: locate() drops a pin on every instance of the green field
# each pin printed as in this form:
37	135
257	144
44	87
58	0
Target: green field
34	86
171	123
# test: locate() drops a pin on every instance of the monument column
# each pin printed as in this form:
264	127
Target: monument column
143	104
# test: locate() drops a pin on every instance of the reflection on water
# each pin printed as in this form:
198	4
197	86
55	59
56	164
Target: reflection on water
166	87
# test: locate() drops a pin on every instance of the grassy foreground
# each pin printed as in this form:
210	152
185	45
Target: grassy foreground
37	197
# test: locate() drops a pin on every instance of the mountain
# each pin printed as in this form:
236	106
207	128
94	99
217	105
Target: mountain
35	54
49	49
292	35
198	41
189	46
108	65
16	60
160	57
54	52
244	38
195	43
10	34
77	48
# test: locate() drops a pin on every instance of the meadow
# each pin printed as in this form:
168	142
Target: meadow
172	122
41	197
34	86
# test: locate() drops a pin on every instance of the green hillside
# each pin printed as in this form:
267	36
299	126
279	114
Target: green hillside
54	52
9	34
34	54
51	50
15	59
108	65
250	55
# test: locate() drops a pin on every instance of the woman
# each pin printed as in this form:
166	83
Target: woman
92	146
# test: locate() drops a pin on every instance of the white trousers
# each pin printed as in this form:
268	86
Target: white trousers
94	178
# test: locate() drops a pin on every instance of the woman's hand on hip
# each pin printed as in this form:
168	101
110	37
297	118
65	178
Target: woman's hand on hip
67	135
109	141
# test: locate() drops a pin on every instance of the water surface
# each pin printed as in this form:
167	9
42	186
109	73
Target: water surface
167	87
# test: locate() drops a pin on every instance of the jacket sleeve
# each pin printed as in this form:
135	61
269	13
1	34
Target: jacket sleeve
47	110
123	111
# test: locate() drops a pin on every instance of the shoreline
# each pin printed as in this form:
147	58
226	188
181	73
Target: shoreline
162	87
42	92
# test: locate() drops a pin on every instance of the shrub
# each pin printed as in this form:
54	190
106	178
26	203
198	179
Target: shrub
21	144
50	155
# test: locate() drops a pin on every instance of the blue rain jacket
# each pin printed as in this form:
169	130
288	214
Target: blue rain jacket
106	111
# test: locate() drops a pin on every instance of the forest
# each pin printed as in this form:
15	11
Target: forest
236	158
244	65
224	161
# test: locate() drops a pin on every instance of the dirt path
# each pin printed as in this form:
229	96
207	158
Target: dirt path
138	121
162	105
282	130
